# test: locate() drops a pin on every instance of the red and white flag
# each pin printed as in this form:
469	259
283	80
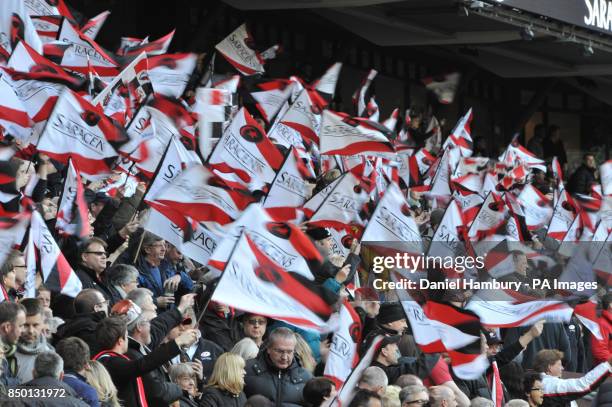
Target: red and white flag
447	238
200	245
246	146
238	49
72	211
270	96
253	282
362	96
202	196
93	26
170	73
44	256
291	186
392	222
491	216
175	160
283	242
344	135
299	121
158	47
14	119
16	25
342	209
537	207
311	206
444	86
84	52
461	135
391	122
47	27
12	232
562	217
508	314
516	154
343	352
78	130
325	86
587	314
459	330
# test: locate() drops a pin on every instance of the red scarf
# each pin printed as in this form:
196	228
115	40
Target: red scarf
142	398
497	391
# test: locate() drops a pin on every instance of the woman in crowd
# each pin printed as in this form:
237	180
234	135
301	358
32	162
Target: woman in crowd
97	376
226	383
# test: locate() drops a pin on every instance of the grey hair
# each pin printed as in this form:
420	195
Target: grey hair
413	389
121	274
48	364
516	403
374	376
138	295
439	393
481	402
179	370
281	333
245	348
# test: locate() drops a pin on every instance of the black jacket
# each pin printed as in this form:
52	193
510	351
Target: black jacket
553	337
215	397
284	387
162	324
124	372
421	366
225	332
207	352
82	326
66	397
581	180
157	385
90	280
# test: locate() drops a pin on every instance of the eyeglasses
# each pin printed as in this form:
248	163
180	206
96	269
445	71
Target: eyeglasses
257	322
20	267
419	402
537	389
283	352
98	253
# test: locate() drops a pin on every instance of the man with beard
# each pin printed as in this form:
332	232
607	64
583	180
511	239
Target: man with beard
31	342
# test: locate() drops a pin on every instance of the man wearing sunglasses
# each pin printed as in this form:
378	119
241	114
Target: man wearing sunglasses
92	266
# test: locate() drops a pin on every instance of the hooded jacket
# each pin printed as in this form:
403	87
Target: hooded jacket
82	326
26	354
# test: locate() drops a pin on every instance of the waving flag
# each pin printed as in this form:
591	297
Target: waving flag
507	314
342	134
461	135
363	95
157	47
12	232
443	86
283	242
447	239
14	119
491	216
93	26
238	49
269	96
44	256
459	331
562	217
47	27
325	86
298	122
343	352
516	154
392	222
342	209
290	187
253	282
246	146
170	73
391	122
77	130
72	211
16	25
202	196
536	207
83	50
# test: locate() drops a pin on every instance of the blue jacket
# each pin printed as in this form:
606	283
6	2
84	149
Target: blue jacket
153	277
83	390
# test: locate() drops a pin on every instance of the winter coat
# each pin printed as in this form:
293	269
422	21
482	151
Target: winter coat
90	280
602	349
224	331
125	372
26	354
553	337
81	388
604	396
284	387
157	385
206	352
82	326
215	397
581	180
